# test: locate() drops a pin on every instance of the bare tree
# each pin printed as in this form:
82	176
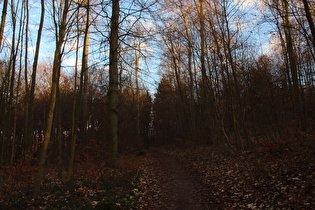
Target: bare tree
112	133
3	19
309	19
292	58
54	89
29	119
82	89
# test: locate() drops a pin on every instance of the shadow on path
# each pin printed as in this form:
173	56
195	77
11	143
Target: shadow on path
176	185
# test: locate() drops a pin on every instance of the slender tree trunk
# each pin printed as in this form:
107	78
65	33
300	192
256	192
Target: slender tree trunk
285	56
12	68
85	67
292	61
26	44
310	20
219	111
59	115
178	79
30	111
202	50
53	94
77	100
75	111
207	96
27	90
3	19
112	132
14	127
237	111
137	67
191	102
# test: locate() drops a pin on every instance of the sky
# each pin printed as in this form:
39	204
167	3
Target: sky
150	66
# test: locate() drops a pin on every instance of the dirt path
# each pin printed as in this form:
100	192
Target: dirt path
171	185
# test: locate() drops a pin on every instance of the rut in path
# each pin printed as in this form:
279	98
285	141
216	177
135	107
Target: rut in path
176	186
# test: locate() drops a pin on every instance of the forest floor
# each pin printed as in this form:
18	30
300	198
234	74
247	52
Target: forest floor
279	175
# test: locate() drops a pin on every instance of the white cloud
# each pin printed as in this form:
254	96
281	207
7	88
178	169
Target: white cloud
252	3
70	45
272	46
70	62
147	48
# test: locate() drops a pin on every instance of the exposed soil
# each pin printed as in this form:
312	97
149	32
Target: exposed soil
170	184
278	175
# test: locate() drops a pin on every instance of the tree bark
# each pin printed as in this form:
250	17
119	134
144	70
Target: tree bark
310	20
30	113
137	68
3	19
202	50
112	132
27	90
191	102
292	60
53	94
77	100
12	70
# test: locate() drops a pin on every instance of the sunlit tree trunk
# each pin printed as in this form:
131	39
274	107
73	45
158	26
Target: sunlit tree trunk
53	94
85	67
137	68
3	19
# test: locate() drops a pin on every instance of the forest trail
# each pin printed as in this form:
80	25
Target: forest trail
171	185
277	177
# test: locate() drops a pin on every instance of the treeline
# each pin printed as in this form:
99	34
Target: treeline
216	85
134	118
52	113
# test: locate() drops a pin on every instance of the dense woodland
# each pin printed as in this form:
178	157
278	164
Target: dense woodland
229	73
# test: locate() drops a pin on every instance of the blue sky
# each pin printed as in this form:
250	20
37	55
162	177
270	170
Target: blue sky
150	66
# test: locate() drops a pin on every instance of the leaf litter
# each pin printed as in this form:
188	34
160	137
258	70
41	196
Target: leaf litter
272	176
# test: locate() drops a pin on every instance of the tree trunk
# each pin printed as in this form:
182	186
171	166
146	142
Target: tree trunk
112	132
137	67
292	61
310	20
203	51
3	18
53	94
12	69
85	68
191	102
30	113
77	99
26	105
